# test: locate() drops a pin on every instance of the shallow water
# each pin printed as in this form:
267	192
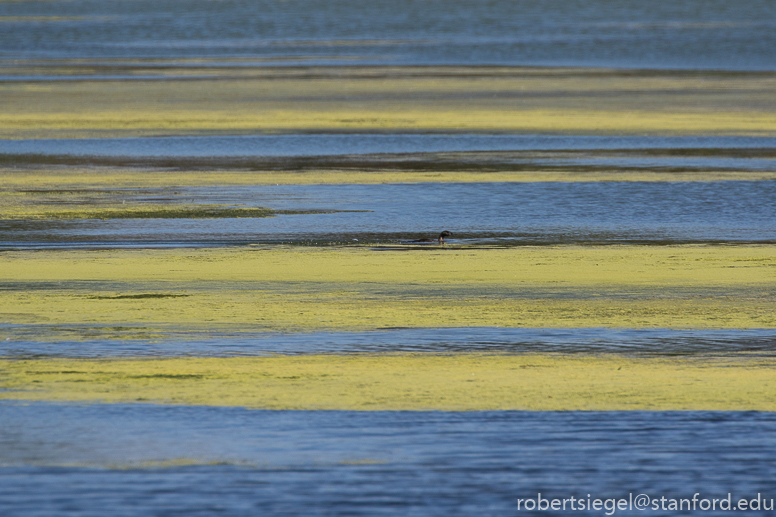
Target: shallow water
85	460
477	213
694	34
501	214
408	152
30	341
349	144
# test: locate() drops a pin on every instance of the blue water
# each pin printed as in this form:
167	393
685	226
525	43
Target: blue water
691	34
359	144
478	214
41	340
95	460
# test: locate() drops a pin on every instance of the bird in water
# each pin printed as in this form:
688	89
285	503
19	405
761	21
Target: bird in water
441	238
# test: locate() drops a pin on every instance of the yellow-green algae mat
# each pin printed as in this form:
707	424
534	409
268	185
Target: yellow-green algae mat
458	382
28	193
397	99
359	289
354	288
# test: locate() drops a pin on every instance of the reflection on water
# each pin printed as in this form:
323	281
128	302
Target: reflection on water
89	460
57	341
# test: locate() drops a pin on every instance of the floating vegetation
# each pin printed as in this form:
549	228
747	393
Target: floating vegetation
169	376
138	296
448	382
584	161
162	212
355	288
398	99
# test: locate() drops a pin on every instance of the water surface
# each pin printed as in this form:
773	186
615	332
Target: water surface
694	34
70	459
242	146
501	214
74	341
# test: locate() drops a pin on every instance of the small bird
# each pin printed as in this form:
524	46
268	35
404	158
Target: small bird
441	238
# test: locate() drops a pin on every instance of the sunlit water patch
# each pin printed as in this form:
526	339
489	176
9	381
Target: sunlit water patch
142	459
60	341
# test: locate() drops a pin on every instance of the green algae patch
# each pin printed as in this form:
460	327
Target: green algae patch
143	296
380	120
685	265
205	212
398	99
292	289
78	177
458	382
40	207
